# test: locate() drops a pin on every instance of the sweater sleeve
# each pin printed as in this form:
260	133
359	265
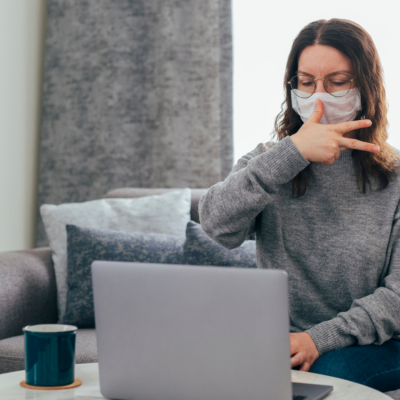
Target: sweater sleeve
372	319
228	209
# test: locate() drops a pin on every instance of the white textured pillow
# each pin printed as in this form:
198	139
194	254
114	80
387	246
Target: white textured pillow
166	213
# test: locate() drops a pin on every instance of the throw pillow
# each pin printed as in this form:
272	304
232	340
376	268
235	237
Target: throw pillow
167	213
87	245
200	249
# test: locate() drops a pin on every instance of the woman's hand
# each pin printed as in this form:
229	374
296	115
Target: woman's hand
302	351
322	143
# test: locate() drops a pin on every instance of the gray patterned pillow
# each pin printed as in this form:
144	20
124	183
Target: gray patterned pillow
86	245
200	249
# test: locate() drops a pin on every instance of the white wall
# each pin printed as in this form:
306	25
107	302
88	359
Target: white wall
263	33
22	33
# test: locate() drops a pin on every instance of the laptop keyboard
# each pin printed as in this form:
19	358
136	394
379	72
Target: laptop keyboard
300	397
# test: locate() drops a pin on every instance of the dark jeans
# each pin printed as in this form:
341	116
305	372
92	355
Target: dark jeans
375	366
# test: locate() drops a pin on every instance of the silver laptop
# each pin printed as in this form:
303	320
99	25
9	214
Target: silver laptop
183	332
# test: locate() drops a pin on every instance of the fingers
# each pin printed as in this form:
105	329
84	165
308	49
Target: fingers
345	127
299	359
358	145
296	360
318	111
305	367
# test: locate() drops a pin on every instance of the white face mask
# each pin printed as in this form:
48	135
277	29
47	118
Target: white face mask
336	109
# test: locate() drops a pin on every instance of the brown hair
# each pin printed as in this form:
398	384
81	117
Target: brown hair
354	42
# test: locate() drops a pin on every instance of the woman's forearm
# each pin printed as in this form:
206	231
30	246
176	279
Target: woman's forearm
229	208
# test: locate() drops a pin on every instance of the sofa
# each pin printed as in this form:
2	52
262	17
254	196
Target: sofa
28	293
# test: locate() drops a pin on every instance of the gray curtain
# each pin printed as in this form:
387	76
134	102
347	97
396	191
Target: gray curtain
137	93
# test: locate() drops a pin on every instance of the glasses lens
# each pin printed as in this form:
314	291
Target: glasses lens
303	85
338	85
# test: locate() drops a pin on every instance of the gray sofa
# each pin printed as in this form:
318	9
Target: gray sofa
28	293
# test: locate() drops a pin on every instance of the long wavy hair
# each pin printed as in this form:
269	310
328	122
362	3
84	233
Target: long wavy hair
354	42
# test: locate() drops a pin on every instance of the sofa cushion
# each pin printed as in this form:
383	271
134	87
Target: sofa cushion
87	245
125	192
12	351
200	249
165	213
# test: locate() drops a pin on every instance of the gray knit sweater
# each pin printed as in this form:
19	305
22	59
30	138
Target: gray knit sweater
340	247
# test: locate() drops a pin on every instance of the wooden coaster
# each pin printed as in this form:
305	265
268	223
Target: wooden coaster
74	384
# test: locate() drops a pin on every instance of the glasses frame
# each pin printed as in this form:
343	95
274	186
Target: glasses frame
325	86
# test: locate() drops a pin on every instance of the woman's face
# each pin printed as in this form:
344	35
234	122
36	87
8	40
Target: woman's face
320	60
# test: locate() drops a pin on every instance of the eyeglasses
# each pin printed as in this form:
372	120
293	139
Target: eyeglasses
337	85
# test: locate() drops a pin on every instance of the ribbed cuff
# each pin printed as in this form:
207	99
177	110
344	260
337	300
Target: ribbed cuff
329	336
280	163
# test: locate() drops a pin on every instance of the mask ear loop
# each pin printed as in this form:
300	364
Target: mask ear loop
358	95
362	116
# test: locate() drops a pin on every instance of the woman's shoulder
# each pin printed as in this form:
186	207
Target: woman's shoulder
396	151
394	162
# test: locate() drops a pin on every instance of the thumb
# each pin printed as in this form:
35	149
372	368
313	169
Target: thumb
318	111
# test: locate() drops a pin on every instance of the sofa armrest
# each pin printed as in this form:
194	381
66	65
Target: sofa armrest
28	293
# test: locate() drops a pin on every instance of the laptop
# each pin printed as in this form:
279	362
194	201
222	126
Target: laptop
184	332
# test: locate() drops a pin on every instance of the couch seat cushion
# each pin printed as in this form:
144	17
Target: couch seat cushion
12	350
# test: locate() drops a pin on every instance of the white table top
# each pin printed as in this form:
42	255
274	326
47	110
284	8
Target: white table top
89	390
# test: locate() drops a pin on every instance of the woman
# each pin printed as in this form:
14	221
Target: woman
324	204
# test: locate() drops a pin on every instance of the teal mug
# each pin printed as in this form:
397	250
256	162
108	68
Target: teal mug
49	354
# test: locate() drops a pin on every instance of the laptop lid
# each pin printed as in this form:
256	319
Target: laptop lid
179	332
